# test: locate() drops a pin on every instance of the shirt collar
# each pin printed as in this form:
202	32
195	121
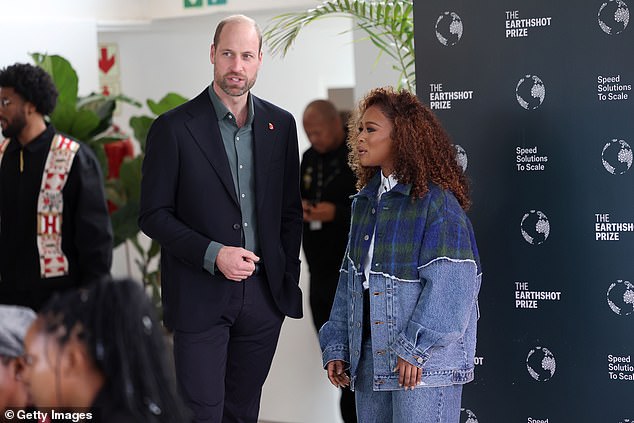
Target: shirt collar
222	111
38	143
387	183
371	189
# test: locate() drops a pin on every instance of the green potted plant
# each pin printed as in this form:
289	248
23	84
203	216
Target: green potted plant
130	184
89	119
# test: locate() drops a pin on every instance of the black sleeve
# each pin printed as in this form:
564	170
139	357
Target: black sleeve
92	228
159	186
347	187
292	216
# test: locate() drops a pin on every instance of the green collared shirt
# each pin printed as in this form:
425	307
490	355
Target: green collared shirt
238	144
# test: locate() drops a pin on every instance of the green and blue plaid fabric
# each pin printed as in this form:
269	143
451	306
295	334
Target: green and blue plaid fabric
409	233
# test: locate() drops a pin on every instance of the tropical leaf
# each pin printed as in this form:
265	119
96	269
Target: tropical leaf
109	139
130	176
63	117
155	249
84	124
168	102
63	75
141	126
103	108
389	25
124	223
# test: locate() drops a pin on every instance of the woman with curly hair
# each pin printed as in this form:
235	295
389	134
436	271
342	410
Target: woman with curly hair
101	350
402	330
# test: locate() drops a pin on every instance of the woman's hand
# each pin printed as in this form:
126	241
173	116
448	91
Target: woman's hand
408	375
337	373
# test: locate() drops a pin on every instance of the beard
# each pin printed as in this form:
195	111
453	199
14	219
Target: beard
233	90
14	127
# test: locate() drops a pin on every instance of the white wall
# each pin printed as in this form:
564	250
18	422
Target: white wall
370	73
136	10
75	39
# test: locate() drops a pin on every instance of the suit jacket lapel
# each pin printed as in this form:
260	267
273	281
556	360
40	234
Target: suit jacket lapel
204	129
263	136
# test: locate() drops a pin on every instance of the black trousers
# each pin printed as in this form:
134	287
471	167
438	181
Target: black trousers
322	294
221	370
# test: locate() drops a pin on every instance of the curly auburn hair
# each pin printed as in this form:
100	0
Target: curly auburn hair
33	84
422	150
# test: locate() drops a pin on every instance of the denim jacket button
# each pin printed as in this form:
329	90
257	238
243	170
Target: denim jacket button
373	210
358	324
419	359
365	238
356	353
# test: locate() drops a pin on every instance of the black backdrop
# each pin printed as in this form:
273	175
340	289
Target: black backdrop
539	95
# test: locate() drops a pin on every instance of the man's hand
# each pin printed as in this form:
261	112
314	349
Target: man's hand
337	373
236	263
408	375
322	212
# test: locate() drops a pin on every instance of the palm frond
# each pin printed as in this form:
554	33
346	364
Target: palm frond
389	25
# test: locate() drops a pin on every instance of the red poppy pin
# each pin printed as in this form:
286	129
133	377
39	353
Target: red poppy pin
271	127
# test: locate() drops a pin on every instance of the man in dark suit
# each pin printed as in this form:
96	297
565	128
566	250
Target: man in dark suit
220	193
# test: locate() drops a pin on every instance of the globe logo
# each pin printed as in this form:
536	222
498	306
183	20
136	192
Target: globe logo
613	16
461	157
621	298
540	363
467	416
617	157
449	29
535	227
530	92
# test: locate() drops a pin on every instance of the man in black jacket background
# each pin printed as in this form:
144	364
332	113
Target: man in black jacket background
327	182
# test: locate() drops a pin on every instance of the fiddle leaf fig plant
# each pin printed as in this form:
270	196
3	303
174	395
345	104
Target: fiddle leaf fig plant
131	170
84	118
90	120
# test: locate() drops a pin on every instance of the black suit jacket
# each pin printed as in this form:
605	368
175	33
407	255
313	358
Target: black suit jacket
188	199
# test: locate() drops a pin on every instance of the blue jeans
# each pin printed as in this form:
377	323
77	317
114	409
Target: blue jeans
422	405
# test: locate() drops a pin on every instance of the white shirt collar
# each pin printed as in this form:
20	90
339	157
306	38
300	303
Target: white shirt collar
387	183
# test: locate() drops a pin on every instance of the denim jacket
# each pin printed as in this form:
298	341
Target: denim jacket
424	281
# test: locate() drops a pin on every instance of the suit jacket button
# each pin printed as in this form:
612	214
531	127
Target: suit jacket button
236	226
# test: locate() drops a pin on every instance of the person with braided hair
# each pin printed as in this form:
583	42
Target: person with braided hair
101	350
402	329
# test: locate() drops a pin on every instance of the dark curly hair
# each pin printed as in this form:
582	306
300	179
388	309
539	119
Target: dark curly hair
117	323
33	84
422	150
